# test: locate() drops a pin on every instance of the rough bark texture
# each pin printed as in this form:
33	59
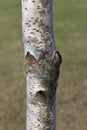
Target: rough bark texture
42	63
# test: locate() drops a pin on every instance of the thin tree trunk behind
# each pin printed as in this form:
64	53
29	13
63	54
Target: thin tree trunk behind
42	63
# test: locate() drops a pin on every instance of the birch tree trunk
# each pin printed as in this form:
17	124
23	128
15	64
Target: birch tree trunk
42	63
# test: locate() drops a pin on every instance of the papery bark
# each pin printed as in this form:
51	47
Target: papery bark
42	63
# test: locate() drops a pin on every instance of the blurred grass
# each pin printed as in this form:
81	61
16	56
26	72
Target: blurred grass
12	79
70	27
71	39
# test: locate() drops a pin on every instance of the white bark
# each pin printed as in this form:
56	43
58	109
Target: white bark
42	63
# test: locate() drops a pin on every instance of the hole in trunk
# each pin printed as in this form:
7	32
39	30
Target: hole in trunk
41	96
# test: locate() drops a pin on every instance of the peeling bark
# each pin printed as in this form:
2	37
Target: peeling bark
42	63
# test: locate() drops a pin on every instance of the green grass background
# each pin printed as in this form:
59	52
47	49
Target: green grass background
70	28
